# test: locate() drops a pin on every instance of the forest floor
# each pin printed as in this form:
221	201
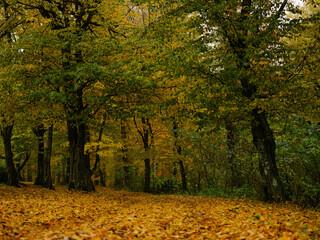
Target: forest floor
36	213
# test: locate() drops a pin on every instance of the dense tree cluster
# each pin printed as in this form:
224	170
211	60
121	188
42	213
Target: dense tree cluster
162	96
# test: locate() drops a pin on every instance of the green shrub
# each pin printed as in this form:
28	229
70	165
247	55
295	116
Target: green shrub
165	185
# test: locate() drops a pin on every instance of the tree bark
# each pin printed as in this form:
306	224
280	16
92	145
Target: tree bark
80	171
39	132
12	173
180	162
262	135
97	162
124	149
82	163
47	181
263	140
72	138
147	175
235	174
146	133
20	167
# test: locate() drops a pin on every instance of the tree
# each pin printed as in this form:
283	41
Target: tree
239	51
12	19
77	66
39	132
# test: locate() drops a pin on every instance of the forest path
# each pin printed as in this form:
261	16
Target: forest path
36	213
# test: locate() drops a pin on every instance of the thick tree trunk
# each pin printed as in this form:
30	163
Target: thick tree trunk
80	172
180	162
39	132
47	181
82	168
264	142
12	173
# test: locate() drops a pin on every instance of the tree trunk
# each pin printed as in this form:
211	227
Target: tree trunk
67	176
183	176
264	142
97	162
80	172
180	162
39	132
147	175
12	173
47	159
82	162
20	167
72	138
102	174
145	133
235	174
124	149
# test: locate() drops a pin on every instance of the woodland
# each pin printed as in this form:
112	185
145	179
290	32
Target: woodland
194	97
165	119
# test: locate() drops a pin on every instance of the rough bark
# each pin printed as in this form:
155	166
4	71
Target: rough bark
263	138
39	132
47	181
264	142
80	172
12	173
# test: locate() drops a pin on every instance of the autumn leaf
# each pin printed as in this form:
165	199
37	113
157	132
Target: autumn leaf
37	213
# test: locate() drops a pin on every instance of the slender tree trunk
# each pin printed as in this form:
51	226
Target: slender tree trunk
180	162
12	173
47	159
67	171
73	138
20	167
97	165
235	174
147	164
125	160
264	142
39	132
145	133
102	174
147	175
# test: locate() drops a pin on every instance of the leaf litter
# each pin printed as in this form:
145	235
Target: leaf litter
37	213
